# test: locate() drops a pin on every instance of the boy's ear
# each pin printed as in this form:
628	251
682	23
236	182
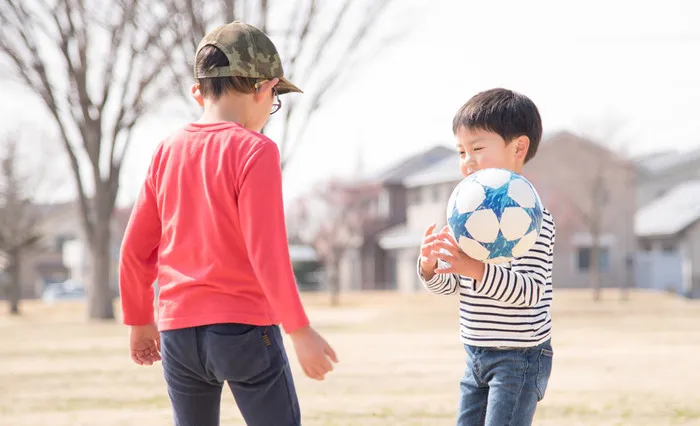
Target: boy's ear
264	88
197	95
522	145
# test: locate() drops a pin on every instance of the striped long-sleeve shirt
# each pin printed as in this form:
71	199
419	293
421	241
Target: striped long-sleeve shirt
510	306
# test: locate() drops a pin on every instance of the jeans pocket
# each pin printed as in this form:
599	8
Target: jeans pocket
544	370
237	352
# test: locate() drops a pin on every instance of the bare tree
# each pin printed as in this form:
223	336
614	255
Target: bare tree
98	67
19	219
321	44
582	191
611	171
333	219
593	217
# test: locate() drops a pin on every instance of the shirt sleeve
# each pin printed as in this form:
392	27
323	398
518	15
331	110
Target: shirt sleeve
525	284
138	261
261	210
440	283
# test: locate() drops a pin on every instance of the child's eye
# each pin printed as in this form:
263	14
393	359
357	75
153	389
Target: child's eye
479	148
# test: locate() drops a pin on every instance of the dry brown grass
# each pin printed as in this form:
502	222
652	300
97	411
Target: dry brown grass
634	363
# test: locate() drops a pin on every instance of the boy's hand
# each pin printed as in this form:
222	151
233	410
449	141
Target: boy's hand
445	248
144	344
313	352
428	260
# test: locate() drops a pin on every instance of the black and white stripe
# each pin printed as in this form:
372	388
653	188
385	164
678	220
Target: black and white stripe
510	307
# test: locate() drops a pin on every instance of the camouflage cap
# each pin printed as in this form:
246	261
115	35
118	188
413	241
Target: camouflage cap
250	54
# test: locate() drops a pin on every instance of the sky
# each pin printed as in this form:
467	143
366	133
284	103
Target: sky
584	63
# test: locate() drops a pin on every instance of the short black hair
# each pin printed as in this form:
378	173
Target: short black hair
210	57
502	111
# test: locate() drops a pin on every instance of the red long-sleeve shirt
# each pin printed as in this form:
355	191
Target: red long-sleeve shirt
209	225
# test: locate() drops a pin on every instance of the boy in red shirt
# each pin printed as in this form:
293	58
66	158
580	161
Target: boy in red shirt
209	226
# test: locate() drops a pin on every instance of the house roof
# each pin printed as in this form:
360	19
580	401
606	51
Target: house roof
443	171
667	160
671	213
414	163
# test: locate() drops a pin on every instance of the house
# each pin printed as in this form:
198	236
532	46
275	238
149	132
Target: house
369	266
668	229
587	188
63	251
666	223
427	193
43	265
662	171
590	192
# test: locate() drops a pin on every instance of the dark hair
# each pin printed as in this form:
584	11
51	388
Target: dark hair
210	57
502	111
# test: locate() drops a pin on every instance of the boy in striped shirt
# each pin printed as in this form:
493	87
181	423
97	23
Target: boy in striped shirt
505	321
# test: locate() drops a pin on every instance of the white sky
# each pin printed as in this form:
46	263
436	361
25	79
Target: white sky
582	62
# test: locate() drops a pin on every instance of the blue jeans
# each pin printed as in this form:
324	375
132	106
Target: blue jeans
501	387
250	359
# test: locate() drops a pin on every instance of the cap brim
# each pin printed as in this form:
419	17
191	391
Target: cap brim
286	86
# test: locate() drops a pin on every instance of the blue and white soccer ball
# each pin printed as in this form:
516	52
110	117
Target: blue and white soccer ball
495	215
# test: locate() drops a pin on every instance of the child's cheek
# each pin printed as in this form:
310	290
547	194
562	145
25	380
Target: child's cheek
463	167
484	161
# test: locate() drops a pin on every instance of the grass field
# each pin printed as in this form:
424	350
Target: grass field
633	363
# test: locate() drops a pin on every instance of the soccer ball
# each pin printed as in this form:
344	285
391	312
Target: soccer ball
495	215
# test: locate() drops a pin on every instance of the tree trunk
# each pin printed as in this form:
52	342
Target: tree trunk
595	265
14	306
100	291
599	199
14	291
625	283
230	10
333	273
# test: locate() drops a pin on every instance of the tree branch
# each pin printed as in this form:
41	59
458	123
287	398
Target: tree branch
229	11
71	35
313	51
309	19
116	34
130	110
330	80
264	10
18	214
43	88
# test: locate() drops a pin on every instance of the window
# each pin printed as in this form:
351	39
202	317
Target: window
437	193
668	247
414	196
583	259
